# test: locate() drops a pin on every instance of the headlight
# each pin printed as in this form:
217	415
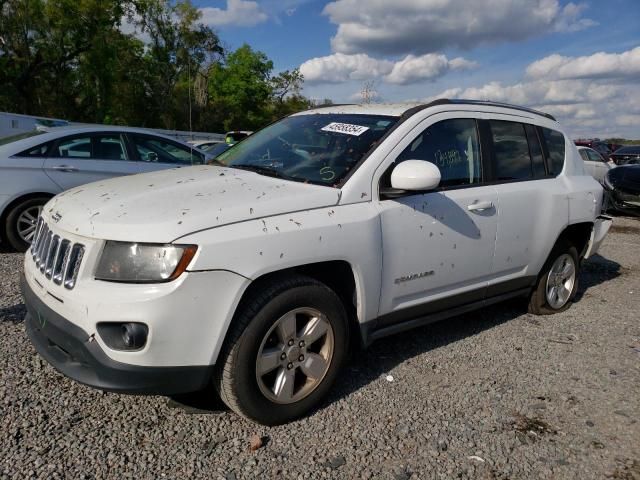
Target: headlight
143	262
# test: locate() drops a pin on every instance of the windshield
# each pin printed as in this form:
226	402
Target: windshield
315	148
19	136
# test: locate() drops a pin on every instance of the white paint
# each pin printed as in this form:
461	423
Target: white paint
246	225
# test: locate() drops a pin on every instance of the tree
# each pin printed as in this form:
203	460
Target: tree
73	59
288	82
241	88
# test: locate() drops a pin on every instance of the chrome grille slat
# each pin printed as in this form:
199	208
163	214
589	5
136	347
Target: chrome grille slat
53	254
59	259
34	244
75	259
41	241
46	251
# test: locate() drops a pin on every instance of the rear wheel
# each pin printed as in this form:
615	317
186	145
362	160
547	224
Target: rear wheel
284	351
558	282
20	225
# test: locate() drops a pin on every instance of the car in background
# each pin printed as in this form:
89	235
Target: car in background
206	145
614	146
622	185
597	145
594	163
628	155
37	165
235	136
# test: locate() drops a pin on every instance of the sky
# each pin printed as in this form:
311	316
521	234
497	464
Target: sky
579	61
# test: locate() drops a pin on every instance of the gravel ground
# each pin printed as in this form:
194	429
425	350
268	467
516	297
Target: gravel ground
494	394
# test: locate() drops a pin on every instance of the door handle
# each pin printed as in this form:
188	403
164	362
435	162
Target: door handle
480	206
64	168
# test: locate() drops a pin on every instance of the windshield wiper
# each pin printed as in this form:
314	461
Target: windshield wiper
268	171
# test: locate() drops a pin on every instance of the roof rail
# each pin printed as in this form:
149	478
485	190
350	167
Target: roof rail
488	103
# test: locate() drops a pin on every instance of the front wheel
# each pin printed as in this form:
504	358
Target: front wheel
283	351
558	282
21	222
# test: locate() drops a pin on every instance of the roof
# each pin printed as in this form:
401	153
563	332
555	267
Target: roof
390	109
398	109
70	129
57	132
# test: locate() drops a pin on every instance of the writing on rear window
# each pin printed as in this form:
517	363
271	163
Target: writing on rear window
348	128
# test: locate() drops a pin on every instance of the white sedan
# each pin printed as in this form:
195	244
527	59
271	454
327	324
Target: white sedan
595	164
37	165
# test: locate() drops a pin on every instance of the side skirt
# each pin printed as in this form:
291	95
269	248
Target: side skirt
372	333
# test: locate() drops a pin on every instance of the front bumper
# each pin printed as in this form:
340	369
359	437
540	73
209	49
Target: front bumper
76	354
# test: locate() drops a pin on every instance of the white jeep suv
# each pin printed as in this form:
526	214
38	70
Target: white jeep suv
340	223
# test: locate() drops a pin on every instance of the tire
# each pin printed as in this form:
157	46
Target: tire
18	219
542	300
257	338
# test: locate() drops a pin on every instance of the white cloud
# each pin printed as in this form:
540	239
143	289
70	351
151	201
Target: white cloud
598	65
341	67
413	69
596	95
239	13
421	26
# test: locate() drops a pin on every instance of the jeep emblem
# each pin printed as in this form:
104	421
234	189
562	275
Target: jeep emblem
56	217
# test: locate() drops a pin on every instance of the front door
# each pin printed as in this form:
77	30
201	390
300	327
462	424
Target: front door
438	246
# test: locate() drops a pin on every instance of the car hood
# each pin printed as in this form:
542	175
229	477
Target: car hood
166	205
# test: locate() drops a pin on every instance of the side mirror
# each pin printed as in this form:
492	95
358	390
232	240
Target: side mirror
415	175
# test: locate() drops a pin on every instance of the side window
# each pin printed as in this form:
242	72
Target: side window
537	158
39	151
583	154
151	149
511	150
74	147
452	145
594	156
555	147
109	147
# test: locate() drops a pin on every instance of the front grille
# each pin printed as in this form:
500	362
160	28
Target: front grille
57	258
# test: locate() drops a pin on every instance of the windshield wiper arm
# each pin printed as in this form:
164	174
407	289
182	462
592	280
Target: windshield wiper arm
268	171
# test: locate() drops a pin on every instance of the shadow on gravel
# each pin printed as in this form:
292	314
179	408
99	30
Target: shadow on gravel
369	365
595	271
13	314
385	354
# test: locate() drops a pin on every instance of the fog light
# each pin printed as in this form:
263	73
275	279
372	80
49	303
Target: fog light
134	335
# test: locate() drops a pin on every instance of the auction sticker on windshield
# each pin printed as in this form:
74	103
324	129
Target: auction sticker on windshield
347	128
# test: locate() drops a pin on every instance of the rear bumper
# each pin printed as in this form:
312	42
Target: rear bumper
600	229
71	351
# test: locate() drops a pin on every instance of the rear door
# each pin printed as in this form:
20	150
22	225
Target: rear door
600	168
89	157
532	201
589	165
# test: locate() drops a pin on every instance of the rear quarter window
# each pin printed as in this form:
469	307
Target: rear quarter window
555	147
39	151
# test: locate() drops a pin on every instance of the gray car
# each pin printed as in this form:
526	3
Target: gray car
37	165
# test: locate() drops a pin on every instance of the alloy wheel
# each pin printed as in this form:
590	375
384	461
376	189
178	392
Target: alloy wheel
295	355
560	281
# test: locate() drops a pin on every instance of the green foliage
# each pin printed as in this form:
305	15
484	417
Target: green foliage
72	59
